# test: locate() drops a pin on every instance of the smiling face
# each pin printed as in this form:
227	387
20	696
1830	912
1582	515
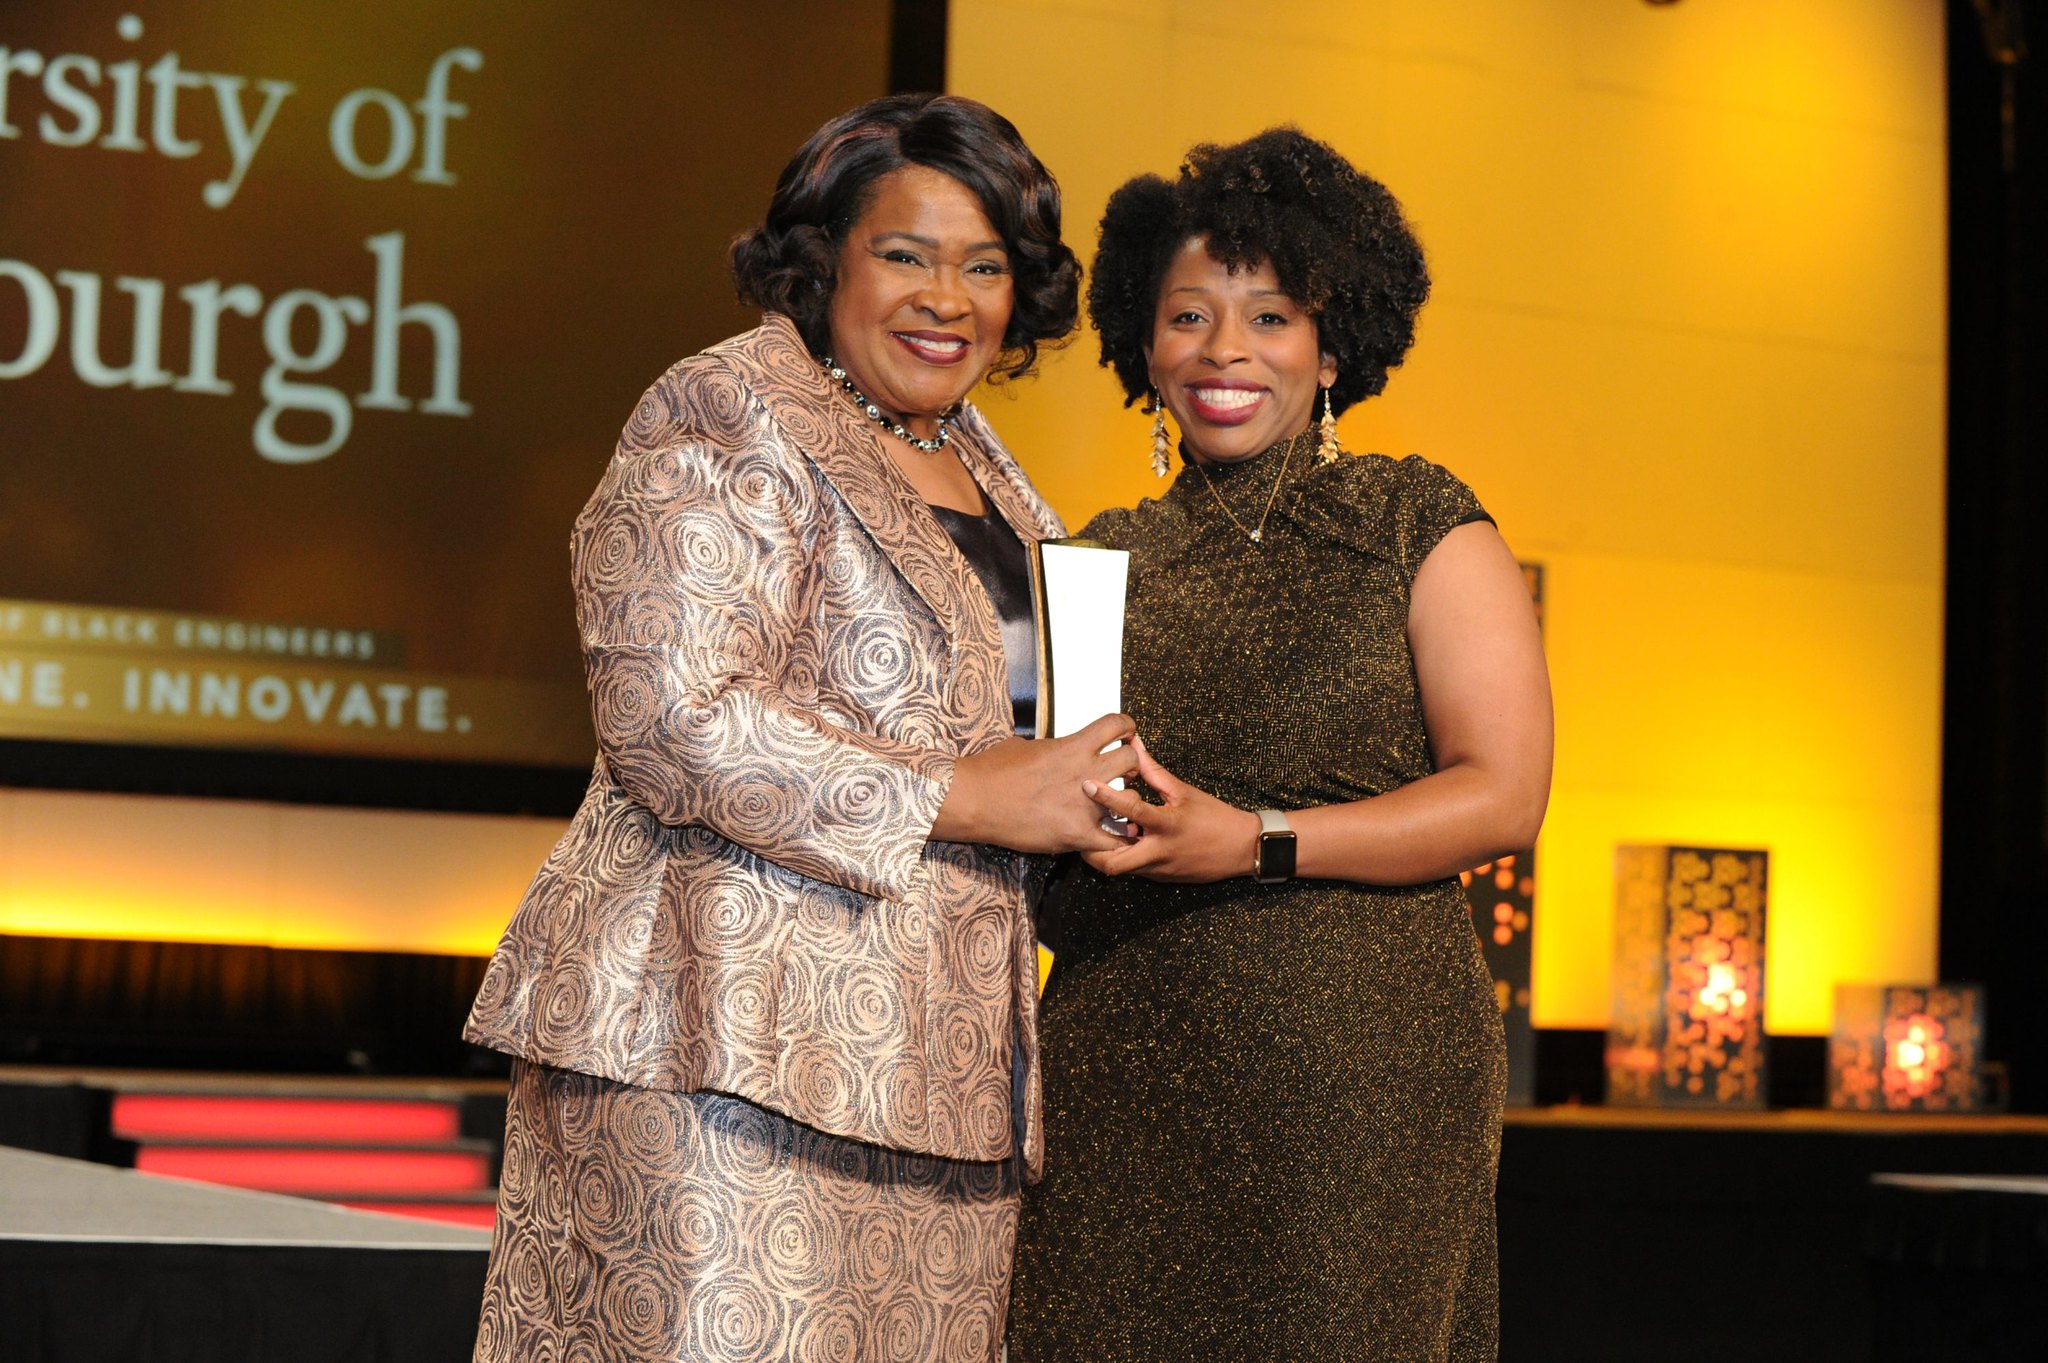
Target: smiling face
923	298
1233	357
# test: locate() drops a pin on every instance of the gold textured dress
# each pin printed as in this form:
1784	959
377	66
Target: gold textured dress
1272	1112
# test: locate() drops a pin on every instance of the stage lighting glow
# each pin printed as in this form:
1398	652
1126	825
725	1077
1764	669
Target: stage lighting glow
331	1121
337	1172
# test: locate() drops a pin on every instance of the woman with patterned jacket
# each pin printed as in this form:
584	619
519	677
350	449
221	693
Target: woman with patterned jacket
772	997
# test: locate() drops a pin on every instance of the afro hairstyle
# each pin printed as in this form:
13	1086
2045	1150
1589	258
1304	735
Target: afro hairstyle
1336	239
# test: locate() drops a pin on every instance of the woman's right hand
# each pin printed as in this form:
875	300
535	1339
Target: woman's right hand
1026	794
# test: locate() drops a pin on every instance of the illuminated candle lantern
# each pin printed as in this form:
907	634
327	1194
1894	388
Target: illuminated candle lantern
1502	894
1905	1047
1688	1007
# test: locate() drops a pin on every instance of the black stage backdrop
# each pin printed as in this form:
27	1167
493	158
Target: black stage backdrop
1994	852
224	1303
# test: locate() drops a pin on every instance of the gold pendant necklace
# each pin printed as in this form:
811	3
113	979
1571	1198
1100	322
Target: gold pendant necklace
1255	533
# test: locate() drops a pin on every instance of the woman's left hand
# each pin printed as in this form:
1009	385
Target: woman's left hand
1193	838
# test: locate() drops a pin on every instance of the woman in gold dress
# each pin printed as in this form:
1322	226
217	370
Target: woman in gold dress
1274	1065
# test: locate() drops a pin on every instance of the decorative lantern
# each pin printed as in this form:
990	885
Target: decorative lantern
1687	1027
1905	1047
1502	894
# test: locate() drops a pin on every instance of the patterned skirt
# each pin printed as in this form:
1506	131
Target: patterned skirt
645	1226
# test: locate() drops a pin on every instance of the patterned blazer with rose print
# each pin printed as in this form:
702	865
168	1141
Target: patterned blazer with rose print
785	655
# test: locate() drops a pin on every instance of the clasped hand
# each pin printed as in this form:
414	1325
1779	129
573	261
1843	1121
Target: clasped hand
1190	837
1030	794
1056	795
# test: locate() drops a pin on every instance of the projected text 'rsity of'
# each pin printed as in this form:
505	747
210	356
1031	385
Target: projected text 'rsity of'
74	99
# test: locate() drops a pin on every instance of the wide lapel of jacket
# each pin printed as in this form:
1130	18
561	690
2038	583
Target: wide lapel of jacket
818	422
1002	479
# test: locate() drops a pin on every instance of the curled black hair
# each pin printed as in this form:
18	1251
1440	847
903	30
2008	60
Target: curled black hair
1336	239
790	263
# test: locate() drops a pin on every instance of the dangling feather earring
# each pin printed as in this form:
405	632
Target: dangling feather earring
1328	446
1162	448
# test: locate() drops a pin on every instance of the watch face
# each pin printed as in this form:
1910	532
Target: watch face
1276	857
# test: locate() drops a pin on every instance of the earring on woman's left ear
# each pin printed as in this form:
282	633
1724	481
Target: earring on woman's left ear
1162	448
1328	446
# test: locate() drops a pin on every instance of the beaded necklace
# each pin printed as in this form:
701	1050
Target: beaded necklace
884	420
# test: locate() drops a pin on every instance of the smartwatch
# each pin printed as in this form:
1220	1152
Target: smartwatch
1274	859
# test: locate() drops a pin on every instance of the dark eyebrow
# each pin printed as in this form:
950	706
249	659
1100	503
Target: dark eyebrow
931	245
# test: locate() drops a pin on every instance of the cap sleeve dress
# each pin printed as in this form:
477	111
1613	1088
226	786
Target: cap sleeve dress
1272	1111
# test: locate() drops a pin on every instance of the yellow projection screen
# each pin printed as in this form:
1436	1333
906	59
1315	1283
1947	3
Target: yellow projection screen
317	322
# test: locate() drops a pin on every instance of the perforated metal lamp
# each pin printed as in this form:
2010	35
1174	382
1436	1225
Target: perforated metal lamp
1688	994
1906	1048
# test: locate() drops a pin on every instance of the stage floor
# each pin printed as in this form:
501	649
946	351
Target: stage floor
100	1263
43	1197
1626	1234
